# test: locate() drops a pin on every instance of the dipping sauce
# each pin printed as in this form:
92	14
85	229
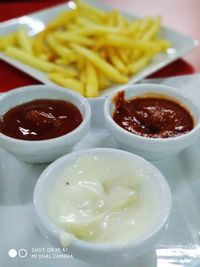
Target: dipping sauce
152	116
104	199
40	119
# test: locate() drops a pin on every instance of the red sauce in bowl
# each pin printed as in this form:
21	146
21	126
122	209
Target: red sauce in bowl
152	116
40	119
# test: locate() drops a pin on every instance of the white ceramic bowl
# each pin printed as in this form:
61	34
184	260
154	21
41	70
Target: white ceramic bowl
152	148
45	150
94	252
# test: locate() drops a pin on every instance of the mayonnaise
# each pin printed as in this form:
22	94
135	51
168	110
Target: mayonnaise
104	199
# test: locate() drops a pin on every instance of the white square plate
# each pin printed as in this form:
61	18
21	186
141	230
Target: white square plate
35	22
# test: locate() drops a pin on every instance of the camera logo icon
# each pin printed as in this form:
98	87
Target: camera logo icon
22	253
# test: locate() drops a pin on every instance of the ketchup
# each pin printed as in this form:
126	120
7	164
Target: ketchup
40	119
152	116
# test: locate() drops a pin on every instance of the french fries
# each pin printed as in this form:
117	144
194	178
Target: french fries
7	40
67	82
36	62
24	40
87	49
101	64
92	86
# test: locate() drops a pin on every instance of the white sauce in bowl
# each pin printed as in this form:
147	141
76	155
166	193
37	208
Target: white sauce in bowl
104	199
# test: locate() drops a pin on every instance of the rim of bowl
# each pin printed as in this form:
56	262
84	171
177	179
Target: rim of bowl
57	231
166	90
85	121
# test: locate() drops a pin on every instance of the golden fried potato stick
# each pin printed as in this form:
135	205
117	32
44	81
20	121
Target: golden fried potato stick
82	75
92	85
90	9
123	55
48	56
76	29
138	64
110	19
38	43
33	61
121	21
152	31
100	64
96	28
64	62
116	61
163	44
62	19
63	52
71	27
145	24
71	37
43	56
7	40
67	82
121	41
135	55
81	66
90	15
104	82
24	40
133	29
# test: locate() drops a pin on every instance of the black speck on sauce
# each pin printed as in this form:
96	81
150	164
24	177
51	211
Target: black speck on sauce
149	116
40	119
